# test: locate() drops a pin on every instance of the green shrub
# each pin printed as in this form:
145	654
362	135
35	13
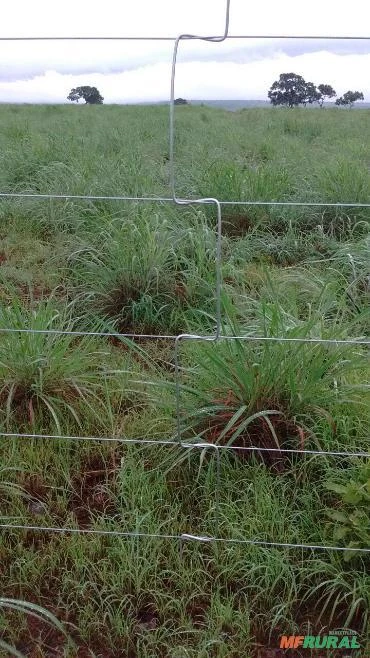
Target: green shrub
351	518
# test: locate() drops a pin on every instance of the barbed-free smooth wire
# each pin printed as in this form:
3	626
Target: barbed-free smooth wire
318	37
195	201
174	337
185	444
182	537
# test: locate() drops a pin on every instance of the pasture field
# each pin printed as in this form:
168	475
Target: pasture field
125	267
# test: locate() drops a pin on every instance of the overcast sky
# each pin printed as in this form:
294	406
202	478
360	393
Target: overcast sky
131	71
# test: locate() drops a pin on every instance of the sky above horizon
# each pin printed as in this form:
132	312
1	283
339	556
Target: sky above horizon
137	71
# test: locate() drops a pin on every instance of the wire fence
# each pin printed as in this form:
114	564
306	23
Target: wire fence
217	336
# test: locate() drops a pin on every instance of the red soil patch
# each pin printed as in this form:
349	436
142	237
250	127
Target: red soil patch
235	226
147	618
34	485
92	490
197	610
257	434
41	640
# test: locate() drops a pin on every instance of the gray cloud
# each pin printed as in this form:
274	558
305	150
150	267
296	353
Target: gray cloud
27	60
242	51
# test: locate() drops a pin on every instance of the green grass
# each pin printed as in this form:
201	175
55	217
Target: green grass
109	266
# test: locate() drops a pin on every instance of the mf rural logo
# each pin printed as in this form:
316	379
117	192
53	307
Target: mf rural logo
334	640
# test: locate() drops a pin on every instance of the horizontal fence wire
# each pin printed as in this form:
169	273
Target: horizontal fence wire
199	337
194	201
178	442
182	537
183	444
318	37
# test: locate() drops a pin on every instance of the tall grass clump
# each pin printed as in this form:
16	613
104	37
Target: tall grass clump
46	377
271	394
283	246
246	181
142	278
347	182
301	128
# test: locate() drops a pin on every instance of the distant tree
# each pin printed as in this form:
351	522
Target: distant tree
350	98
181	101
90	95
326	91
289	90
311	94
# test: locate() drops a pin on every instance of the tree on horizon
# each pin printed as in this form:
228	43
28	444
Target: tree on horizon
292	90
289	90
350	98
91	95
326	91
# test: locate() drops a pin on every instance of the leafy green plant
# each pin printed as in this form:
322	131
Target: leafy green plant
351	519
